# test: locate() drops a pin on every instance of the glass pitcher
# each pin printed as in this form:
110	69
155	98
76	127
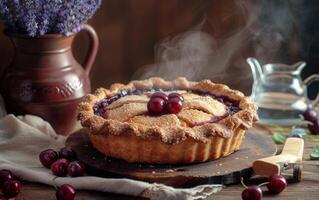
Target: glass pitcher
279	91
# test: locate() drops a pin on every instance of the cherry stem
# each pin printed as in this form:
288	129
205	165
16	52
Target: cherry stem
262	184
303	122
306	123
242	182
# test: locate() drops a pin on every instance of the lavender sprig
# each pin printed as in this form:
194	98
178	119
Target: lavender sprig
39	17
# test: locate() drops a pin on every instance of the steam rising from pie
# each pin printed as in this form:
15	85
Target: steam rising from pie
198	53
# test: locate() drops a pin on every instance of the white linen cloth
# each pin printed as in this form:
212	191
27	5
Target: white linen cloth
22	138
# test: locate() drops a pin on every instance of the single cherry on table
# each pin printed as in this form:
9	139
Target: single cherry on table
65	192
314	127
11	188
60	167
47	157
5	175
76	168
252	193
310	115
67	153
277	184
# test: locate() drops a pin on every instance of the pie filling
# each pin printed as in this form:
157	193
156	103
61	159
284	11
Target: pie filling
198	107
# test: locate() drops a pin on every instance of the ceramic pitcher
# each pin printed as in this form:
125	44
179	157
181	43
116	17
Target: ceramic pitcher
44	79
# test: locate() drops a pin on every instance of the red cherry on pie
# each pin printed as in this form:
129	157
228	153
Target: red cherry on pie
175	95
160	95
156	105
174	105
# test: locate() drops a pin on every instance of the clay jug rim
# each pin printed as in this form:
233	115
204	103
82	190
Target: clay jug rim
46	36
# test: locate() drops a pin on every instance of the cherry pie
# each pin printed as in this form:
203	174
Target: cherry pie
161	122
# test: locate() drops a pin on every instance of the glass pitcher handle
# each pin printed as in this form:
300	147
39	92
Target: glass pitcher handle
310	80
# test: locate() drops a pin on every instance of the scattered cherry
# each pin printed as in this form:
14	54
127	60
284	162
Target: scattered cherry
60	167
314	127
175	95
65	192
252	193
67	153
47	157
5	175
11	188
310	115
76	168
160	95
174	105
277	184
156	105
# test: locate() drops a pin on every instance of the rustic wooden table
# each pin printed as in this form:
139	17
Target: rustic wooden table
308	189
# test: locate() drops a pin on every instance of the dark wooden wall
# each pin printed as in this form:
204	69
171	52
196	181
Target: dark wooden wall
130	29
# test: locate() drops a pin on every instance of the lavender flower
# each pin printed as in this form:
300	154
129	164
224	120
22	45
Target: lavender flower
7	13
39	17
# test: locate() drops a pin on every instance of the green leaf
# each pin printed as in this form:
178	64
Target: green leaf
315	153
279	138
314	156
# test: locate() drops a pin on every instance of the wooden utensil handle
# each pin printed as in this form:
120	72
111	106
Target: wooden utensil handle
291	153
294	146
272	165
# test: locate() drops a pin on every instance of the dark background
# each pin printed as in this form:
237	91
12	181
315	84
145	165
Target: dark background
130	30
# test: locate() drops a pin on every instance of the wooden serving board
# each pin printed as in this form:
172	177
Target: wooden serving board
228	170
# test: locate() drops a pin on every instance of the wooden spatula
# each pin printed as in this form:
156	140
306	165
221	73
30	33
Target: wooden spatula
290	157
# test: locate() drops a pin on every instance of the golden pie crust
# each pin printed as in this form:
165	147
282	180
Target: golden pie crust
130	133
